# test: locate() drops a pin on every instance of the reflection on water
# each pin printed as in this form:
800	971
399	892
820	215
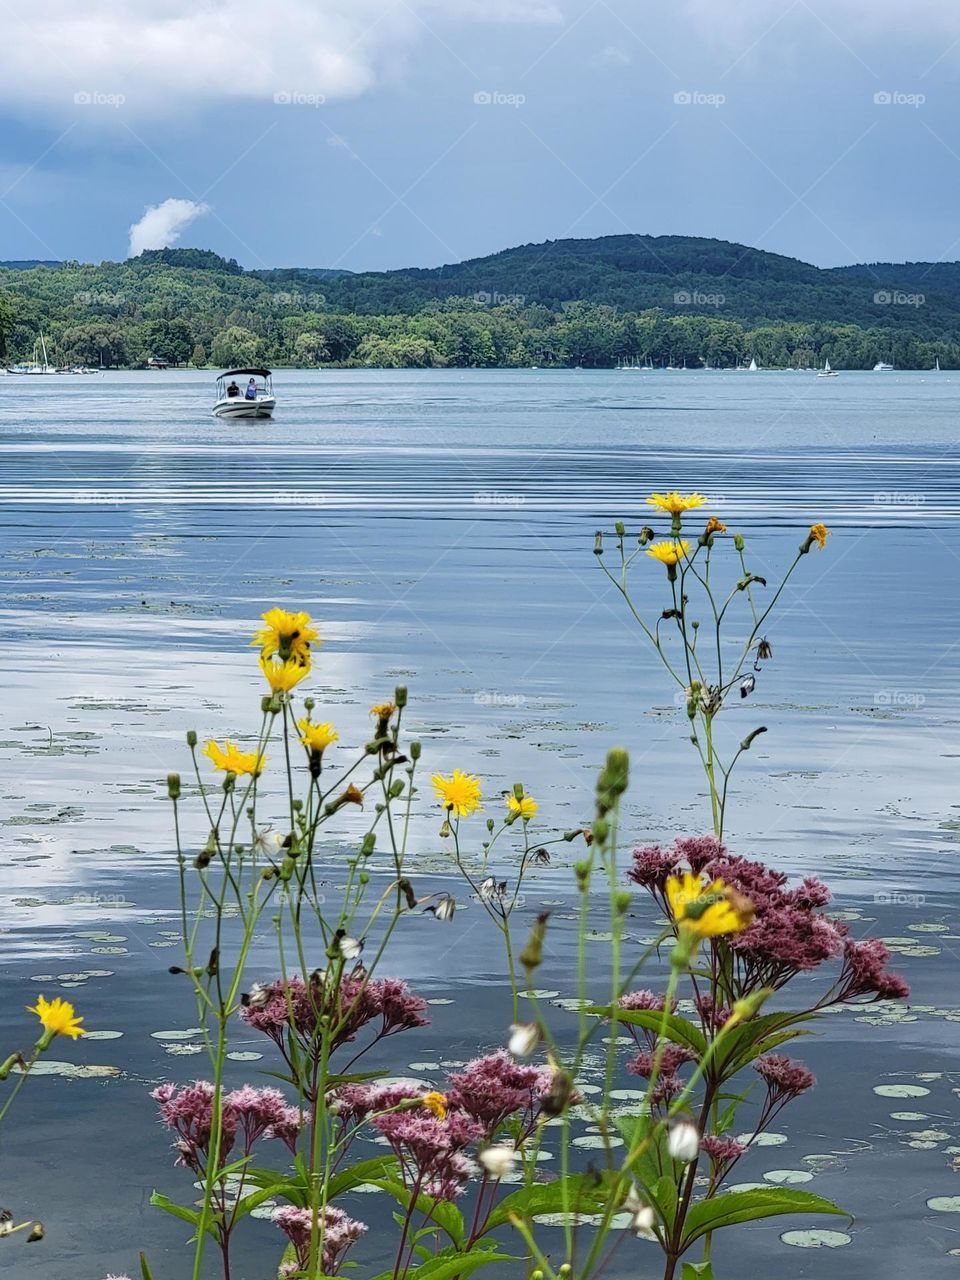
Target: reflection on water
440	526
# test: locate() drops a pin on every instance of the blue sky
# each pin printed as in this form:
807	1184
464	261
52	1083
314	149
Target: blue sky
371	134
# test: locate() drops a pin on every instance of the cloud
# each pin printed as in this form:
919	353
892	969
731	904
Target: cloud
161	59
162	224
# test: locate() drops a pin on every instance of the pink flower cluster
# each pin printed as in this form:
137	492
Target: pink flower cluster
790	934
785	1078
338	1232
431	1150
723	1152
492	1088
672	1057
291	1008
247	1113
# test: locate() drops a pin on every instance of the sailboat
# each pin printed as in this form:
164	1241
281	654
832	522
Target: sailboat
753	367
36	367
936	366
826	371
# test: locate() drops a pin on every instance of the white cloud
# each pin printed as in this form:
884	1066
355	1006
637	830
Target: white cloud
162	224
166	57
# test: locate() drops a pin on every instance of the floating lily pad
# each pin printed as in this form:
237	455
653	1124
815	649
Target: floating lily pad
242	1055
816	1239
900	1090
788	1177
944	1204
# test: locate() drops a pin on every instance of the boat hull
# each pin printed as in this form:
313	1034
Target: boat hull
236	407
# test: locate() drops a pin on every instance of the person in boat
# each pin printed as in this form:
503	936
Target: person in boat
233	389
251	393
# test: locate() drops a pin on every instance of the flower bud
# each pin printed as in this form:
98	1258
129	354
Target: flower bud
532	954
621	530
415	749
191	738
524	1037
738	541
400	695
598	543
173	786
683	1142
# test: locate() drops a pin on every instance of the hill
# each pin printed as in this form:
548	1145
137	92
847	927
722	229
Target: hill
665	298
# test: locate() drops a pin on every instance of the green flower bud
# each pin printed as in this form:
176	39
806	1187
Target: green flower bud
173	786
191	738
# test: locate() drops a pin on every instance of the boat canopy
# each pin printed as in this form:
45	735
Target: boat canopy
234	373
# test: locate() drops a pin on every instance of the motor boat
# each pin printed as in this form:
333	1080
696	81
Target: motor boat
882	367
255	399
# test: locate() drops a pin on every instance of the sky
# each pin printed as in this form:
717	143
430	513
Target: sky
373	134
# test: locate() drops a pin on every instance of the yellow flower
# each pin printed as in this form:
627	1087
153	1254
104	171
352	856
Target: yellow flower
57	1017
669	553
459	794
706	911
317	737
282	676
437	1103
231	759
820	533
714	526
383	710
524	808
676	503
287	634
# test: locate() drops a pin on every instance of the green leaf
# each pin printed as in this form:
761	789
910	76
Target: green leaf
449	1264
578	1193
145	1271
178	1211
678	1030
254	1200
748	1206
446	1215
697	1271
740	1045
361	1172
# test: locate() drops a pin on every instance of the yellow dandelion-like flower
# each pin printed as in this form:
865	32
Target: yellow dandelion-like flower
459	794
287	634
675	503
706	910
524	808
819	533
383	710
230	759
57	1017
669	553
282	676
435	1102
714	526
317	737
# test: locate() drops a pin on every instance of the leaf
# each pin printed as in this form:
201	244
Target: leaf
178	1211
145	1271
697	1271
446	1215
578	1193
678	1030
748	1206
449	1264
253	1200
361	1172
740	1045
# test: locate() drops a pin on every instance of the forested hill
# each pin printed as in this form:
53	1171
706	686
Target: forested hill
668	299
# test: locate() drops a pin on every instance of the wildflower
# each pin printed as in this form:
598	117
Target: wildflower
492	890
714	525
492	1088
642	1216
430	1151
683	1142
317	737
785	1078
864	973
541	858
499	1159
524	808
747	686
436	1103
383	711
444	907
337	1231
669	553
268	843
349	948
819	533
642	1001
283	676
764	649
459	794
722	1151
288	635
57	1018
230	759
674	503
706	911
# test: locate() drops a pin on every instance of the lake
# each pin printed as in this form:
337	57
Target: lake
439	525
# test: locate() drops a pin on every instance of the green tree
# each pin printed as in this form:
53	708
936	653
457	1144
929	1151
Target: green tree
235	346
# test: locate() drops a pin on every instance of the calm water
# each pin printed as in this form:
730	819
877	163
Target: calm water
440	527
